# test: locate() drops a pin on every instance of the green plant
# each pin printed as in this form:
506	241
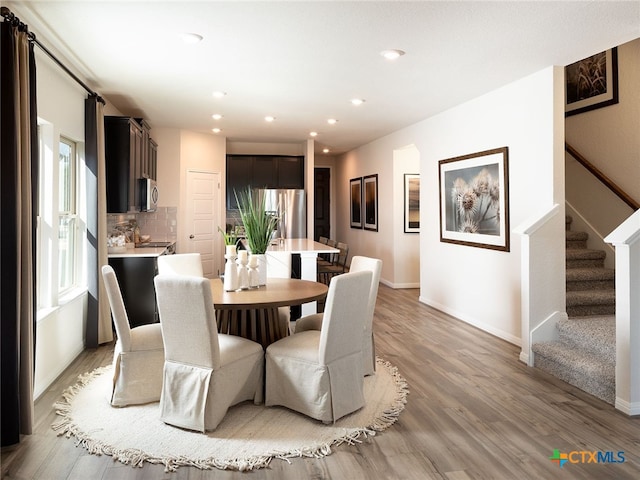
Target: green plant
231	237
259	225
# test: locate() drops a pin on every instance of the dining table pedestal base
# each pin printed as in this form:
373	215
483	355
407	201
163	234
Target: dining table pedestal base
262	325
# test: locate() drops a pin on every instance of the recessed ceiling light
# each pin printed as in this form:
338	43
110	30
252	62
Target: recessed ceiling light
269	118
219	94
332	121
216	116
216	130
313	134
357	101
325	150
392	54
191	38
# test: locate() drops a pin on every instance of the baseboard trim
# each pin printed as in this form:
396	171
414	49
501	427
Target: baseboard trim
631	409
398	286
473	322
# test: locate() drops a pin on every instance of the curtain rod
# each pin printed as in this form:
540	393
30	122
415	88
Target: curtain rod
15	21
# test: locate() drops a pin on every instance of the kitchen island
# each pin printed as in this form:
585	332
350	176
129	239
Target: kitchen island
308	249
135	269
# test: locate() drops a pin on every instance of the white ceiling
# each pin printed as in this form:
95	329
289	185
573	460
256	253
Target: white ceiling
303	61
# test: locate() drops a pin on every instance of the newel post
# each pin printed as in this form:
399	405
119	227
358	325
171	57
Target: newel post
626	240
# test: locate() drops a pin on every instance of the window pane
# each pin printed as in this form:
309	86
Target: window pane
66	252
67	177
67	223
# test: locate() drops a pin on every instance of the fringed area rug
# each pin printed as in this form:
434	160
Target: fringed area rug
249	437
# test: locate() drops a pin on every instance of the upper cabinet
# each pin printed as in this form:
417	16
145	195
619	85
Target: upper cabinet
130	154
262	171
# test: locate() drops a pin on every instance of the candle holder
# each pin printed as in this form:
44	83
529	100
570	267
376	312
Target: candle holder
243	273
253	276
230	274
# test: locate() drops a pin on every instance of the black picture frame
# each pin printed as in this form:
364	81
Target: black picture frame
591	83
355	193
370	193
411	203
474	199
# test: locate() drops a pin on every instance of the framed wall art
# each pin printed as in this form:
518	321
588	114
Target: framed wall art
411	203
591	83
370	189
474	199
355	186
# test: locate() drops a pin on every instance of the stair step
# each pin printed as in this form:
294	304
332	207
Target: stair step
594	334
590	278
584	257
583	370
591	297
584	303
576	239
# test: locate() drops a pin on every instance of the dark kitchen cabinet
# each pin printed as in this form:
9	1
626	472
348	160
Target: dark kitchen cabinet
135	276
148	153
290	171
153	159
123	151
262	171
130	154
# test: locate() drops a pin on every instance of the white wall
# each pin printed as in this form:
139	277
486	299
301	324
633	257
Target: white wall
483	286
609	137
479	286
168	140
406	245
60	322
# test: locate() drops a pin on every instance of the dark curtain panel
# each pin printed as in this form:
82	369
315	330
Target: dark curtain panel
91	161
99	328
18	194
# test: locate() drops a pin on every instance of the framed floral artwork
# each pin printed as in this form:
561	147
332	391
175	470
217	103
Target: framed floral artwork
474	199
355	185
591	83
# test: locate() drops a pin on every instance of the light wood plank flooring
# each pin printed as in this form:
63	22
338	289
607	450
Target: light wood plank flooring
474	412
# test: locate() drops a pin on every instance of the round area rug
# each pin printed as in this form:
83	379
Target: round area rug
249	437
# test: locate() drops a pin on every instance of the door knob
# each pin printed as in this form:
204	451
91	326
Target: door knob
192	237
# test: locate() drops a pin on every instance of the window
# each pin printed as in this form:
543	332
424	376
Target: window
67	215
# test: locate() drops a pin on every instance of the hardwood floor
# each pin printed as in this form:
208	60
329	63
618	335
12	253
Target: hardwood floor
474	412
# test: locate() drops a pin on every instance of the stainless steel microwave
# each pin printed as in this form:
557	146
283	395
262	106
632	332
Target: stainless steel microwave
148	195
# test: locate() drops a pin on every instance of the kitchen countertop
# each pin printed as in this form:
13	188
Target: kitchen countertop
302	245
140	252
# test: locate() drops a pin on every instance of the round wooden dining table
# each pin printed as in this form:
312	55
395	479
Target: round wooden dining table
253	313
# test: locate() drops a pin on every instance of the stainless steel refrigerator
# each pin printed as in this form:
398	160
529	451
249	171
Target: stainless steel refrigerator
290	207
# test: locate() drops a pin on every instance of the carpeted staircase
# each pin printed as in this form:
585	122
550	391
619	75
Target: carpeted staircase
585	354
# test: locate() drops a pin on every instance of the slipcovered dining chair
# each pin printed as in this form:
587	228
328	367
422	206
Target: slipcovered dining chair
205	372
319	373
138	357
180	264
314	321
279	266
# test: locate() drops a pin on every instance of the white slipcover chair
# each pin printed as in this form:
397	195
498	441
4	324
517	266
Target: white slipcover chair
205	372
319	373
138	357
180	264
279	266
314	321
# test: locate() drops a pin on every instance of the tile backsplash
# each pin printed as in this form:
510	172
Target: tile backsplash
161	225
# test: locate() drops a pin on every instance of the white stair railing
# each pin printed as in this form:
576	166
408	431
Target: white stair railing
626	240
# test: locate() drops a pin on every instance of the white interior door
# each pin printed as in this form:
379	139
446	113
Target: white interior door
203	219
